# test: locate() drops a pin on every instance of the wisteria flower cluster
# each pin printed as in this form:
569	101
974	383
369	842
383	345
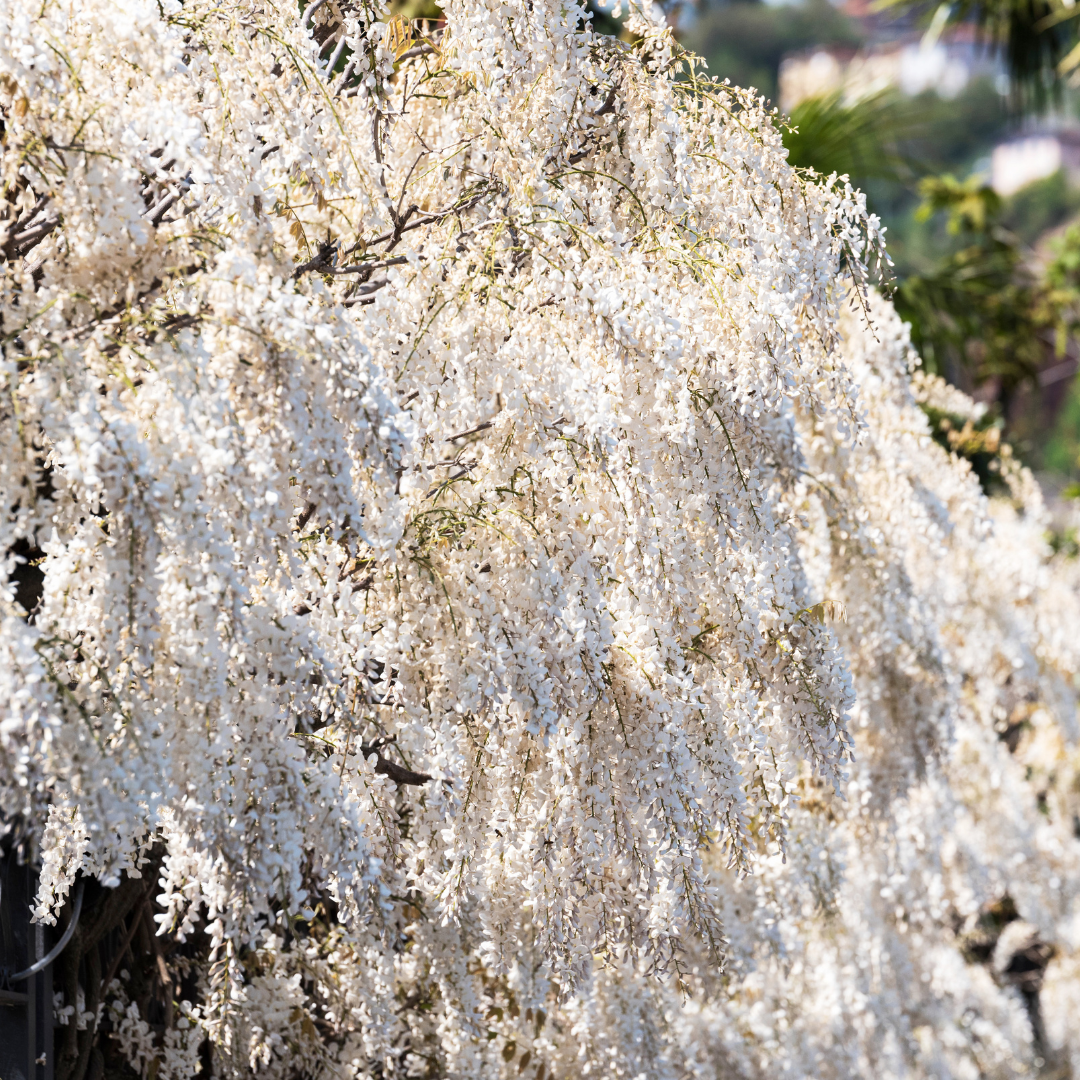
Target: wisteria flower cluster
487	594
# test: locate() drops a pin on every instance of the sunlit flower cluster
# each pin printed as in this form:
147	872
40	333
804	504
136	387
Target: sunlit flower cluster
476	541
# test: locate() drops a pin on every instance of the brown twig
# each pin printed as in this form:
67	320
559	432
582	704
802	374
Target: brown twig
124	946
385	767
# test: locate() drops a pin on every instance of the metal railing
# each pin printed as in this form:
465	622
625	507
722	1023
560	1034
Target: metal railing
26	968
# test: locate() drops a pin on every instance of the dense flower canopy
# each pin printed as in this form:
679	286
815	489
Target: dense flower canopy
486	576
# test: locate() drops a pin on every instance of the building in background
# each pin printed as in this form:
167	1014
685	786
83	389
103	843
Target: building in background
911	62
1034	155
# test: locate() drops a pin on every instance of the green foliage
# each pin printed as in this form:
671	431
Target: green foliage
1061	453
978	442
1062	278
980	311
745	41
1059	450
854	139
1063	271
1064	542
602	22
416	9
1042	205
969	204
953	132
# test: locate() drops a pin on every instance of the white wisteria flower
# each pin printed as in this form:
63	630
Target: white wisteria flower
489	591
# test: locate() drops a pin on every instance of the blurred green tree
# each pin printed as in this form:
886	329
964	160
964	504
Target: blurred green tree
981	314
857	139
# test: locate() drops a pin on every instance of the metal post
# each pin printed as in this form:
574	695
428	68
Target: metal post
31	990
47	1009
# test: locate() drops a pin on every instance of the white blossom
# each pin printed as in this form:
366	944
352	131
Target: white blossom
495	553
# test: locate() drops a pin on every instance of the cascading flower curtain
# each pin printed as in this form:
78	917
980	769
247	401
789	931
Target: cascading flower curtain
485	598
